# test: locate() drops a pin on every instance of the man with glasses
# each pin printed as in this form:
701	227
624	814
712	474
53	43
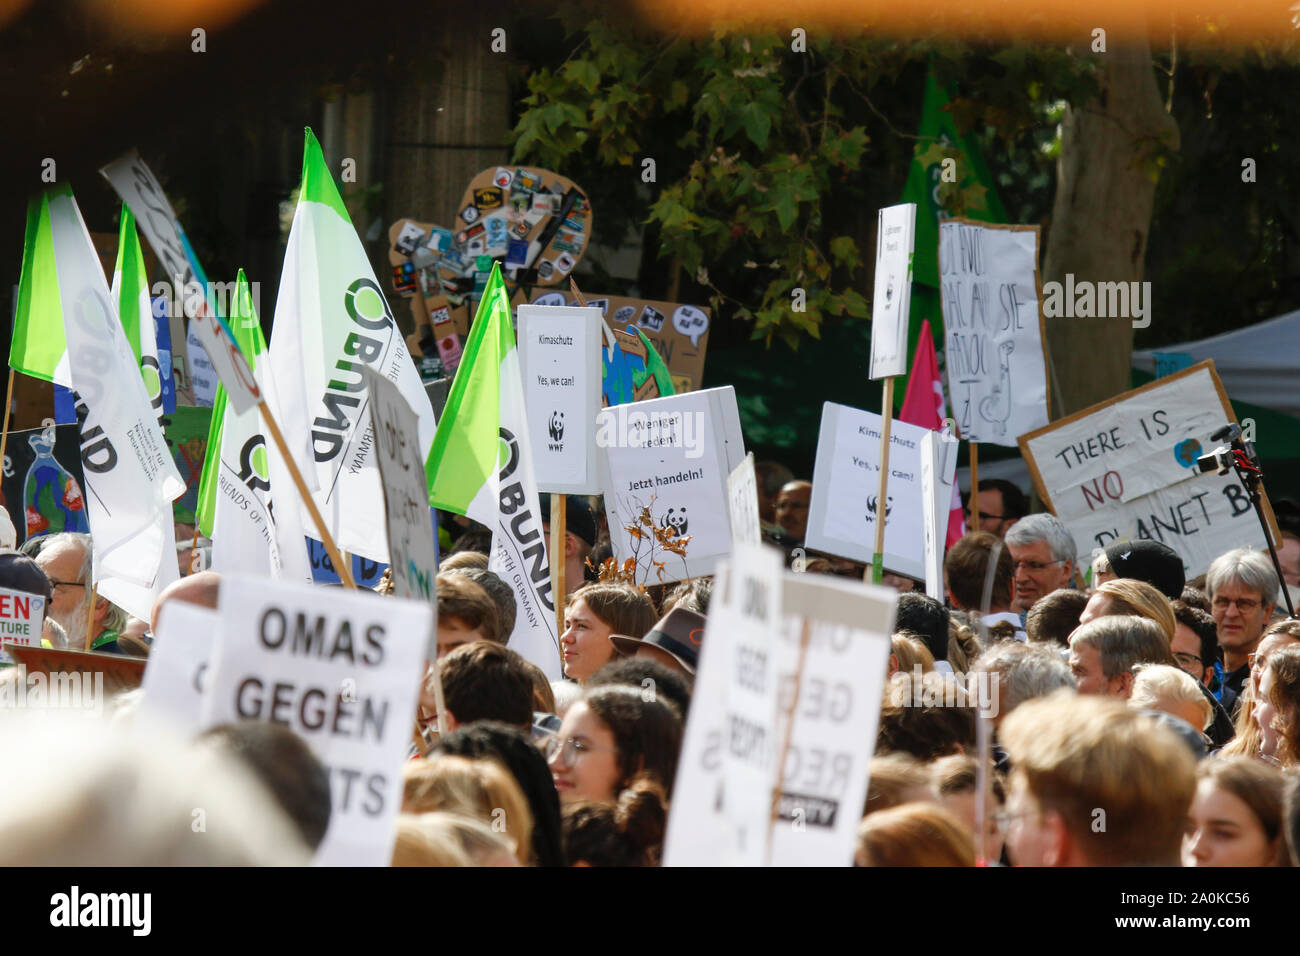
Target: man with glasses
66	560
1001	505
1043	552
1242	587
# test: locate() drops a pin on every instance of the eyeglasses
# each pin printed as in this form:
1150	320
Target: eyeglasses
1188	660
1244	605
1035	565
570	749
65	584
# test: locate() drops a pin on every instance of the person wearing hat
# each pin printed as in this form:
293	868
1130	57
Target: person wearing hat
674	641
1145	560
579	539
20	573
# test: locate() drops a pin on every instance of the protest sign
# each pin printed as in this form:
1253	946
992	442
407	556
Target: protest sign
833	697
679	332
742	500
842	630
930	504
994	355
671	455
22	616
42	483
178	662
340	668
841	516
120	673
895	233
559	355
1126	469
406	494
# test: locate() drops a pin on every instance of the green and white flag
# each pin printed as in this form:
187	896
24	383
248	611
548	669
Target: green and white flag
481	466
330	320
38	347
130	293
130	478
235	507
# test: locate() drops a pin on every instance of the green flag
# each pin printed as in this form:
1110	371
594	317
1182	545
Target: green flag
38	347
248	335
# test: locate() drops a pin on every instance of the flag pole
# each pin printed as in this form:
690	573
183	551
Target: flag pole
887	418
559	516
9	400
805	634
90	616
332	549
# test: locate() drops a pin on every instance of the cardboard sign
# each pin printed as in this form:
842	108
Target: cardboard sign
414	559
742	501
1126	469
43	481
22	616
672	455
823	782
678	332
559	356
178	664
340	668
846	484
993	326
121	673
895	235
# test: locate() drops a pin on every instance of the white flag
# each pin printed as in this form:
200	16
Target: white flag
130	478
330	320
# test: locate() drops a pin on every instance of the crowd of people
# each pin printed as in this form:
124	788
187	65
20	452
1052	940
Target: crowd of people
1133	717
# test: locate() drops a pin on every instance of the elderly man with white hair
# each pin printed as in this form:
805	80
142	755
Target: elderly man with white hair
1242	587
1044	555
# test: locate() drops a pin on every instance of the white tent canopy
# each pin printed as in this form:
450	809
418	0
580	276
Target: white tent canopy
1259	364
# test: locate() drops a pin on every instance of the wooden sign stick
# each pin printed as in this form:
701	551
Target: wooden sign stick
559	517
805	635
332	549
877	570
90	616
9	400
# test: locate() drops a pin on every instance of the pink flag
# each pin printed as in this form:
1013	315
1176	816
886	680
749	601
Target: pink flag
924	405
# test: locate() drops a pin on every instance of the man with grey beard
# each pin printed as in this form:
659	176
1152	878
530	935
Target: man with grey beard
66	560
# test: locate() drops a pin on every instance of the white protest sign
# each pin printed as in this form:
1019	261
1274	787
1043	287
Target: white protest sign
412	556
742	499
559	355
934	534
203	375
824	780
895	237
1126	469
172	688
993	328
841	683
846	484
22	617
343	670
672	455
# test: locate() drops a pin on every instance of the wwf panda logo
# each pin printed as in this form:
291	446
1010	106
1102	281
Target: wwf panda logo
556	426
871	506
675	520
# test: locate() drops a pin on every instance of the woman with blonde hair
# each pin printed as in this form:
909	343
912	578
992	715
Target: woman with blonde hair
1278	710
1248	738
449	839
907	653
480	789
1130	596
914	834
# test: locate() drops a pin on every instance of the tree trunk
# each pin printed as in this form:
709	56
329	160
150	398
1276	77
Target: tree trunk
1105	192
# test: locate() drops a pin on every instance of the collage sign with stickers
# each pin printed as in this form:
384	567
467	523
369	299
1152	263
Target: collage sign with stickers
678	332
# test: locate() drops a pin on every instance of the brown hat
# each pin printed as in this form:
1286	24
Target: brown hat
679	634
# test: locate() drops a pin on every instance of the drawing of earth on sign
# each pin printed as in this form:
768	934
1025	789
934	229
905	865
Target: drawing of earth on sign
1186	452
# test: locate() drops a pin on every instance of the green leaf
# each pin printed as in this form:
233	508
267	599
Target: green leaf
758	124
